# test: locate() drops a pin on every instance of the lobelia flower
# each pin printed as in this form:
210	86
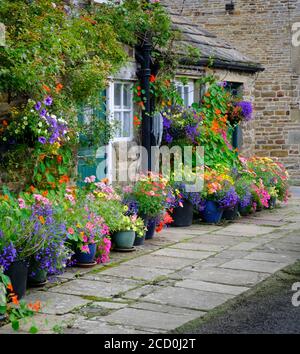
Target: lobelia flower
38	106
48	101
42	140
230	200
43	112
247	109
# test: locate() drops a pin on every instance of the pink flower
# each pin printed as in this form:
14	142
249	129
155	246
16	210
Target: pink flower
89	226
127	189
71	230
104	258
85	249
85	238
21	203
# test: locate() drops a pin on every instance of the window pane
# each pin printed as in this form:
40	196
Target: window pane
117	120
117	94
126	124
179	89
186	96
127	96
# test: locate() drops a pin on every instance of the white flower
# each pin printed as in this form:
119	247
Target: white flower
40	124
53	116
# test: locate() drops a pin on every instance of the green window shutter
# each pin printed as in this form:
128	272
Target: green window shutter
90	161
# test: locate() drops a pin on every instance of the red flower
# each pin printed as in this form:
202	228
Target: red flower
152	78
58	88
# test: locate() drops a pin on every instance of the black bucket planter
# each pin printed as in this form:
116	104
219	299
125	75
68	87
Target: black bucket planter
151	225
18	272
37	277
139	241
272	202
183	216
230	214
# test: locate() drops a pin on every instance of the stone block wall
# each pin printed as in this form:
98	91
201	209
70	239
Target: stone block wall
262	30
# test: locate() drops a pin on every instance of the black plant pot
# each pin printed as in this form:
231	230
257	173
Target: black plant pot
17	273
139	241
272	202
151	229
183	216
230	214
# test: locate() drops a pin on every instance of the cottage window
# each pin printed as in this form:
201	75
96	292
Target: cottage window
186	92
123	109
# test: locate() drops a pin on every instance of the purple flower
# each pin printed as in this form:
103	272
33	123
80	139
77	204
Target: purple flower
38	106
222	84
7	256
167	123
230	200
48	101
168	138
43	112
247	109
246	200
42	140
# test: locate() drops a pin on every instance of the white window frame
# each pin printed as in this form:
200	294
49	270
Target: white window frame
190	86
112	108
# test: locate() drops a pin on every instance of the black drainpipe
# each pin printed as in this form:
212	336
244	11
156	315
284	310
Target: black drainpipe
144	58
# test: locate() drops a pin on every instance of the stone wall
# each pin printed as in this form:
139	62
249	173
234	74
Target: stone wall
262	30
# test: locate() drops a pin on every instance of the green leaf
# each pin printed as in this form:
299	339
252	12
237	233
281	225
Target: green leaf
15	325
33	330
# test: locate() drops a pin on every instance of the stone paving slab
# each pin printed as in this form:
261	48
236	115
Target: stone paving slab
150	319
130	271
243	230
99	289
214	287
218	239
59	304
272	257
247	246
198	246
226	276
165	309
98	326
150	262
44	323
187	298
256	266
189	254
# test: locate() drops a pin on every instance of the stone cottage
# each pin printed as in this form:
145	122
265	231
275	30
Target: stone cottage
268	32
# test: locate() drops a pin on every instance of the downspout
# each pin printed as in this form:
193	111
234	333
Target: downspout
146	114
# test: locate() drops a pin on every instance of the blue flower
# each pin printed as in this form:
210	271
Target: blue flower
42	140
48	101
38	106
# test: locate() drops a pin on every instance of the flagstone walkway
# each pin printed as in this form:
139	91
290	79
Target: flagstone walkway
175	278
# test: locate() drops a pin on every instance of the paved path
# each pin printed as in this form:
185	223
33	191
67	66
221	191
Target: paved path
176	278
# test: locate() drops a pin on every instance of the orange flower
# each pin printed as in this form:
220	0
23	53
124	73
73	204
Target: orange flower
136	121
46	88
4	122
139	88
15	300
42	220
10	287
218	111
58	88
152	78
208	106
105	180
64	179
59	158
215	126
207	94
35	307
45	193
6	197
